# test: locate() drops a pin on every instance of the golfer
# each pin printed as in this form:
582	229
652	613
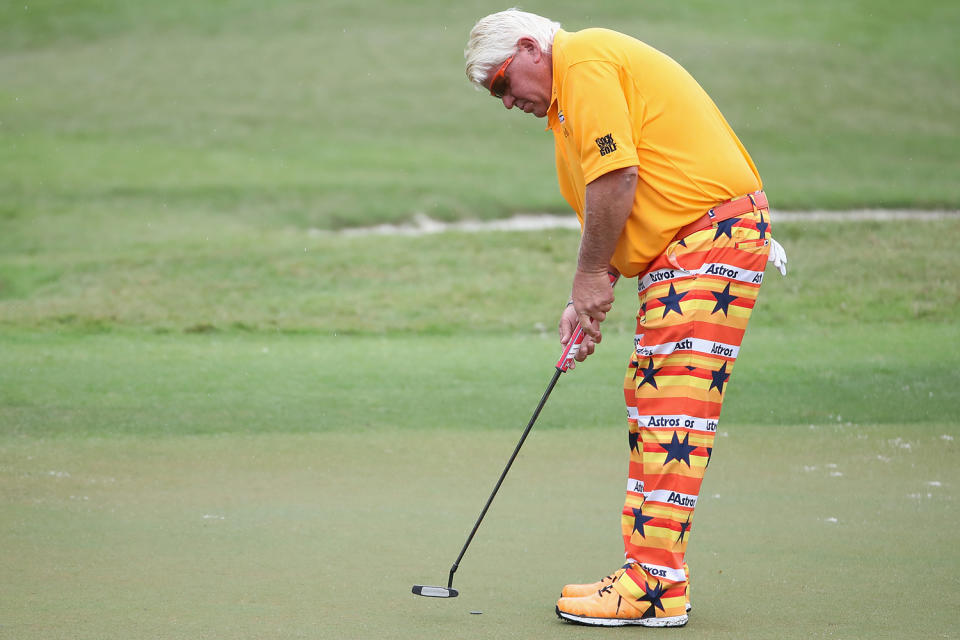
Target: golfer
667	194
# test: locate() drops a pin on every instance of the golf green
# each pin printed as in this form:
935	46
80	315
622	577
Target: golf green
802	532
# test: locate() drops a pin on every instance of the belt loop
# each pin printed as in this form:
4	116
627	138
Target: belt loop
753	201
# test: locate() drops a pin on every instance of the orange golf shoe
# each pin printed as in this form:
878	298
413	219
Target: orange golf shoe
607	608
580	590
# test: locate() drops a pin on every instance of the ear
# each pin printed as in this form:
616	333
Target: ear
531	46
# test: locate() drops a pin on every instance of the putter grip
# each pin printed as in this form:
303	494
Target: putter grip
576	339
570	351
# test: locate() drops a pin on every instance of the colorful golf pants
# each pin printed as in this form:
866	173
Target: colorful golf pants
695	301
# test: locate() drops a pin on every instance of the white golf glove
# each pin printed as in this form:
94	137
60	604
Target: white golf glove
778	256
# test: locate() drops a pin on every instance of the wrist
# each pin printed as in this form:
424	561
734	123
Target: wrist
592	271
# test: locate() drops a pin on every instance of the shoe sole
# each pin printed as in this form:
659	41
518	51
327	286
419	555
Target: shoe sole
670	621
586	594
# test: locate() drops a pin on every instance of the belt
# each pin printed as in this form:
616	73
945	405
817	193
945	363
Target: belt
739	206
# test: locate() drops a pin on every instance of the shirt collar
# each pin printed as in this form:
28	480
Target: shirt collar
558	59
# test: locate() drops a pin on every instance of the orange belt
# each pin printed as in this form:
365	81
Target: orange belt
729	209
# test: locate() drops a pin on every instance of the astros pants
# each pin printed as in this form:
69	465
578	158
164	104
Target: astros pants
695	301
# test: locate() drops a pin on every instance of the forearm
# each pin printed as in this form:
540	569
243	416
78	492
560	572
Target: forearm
609	201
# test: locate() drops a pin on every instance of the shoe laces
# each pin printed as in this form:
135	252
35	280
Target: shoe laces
613	577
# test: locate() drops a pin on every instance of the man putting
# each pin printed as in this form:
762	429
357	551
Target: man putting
664	192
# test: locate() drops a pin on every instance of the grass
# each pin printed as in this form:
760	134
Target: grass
55	385
234	109
280	535
217	419
202	278
212	478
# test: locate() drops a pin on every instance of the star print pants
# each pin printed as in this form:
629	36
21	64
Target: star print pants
695	301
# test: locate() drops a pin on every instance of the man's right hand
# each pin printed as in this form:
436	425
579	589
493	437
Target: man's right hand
568	323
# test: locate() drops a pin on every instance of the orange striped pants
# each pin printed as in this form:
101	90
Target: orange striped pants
695	302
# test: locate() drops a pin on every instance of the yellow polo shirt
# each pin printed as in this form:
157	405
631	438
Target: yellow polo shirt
618	102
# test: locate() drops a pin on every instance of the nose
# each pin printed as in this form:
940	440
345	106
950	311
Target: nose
508	101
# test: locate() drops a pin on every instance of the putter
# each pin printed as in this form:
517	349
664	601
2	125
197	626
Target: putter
566	358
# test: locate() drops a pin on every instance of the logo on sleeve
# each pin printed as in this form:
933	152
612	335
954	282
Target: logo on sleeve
606	144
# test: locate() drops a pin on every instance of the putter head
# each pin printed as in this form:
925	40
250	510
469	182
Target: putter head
435	592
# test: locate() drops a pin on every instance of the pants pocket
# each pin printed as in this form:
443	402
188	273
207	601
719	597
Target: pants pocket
752	244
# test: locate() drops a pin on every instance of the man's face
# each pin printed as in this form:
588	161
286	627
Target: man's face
527	80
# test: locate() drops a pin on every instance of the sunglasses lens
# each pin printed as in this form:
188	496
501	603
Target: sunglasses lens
499	86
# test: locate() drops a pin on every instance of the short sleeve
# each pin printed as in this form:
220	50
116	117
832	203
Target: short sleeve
596	115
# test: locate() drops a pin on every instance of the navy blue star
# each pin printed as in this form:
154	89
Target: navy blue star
634	439
672	301
762	227
653	596
723	300
725	228
683	528
677	450
683	242
648	374
719	378
709	456
639	520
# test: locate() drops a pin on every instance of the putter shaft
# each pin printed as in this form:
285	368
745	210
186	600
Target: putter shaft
526	432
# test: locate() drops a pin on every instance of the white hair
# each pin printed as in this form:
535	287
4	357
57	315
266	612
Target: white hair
494	39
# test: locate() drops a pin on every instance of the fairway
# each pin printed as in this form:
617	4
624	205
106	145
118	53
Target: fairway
223	417
60	384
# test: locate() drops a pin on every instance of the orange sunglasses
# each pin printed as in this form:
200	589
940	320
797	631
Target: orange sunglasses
499	83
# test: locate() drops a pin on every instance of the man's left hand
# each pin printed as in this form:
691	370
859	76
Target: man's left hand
592	299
